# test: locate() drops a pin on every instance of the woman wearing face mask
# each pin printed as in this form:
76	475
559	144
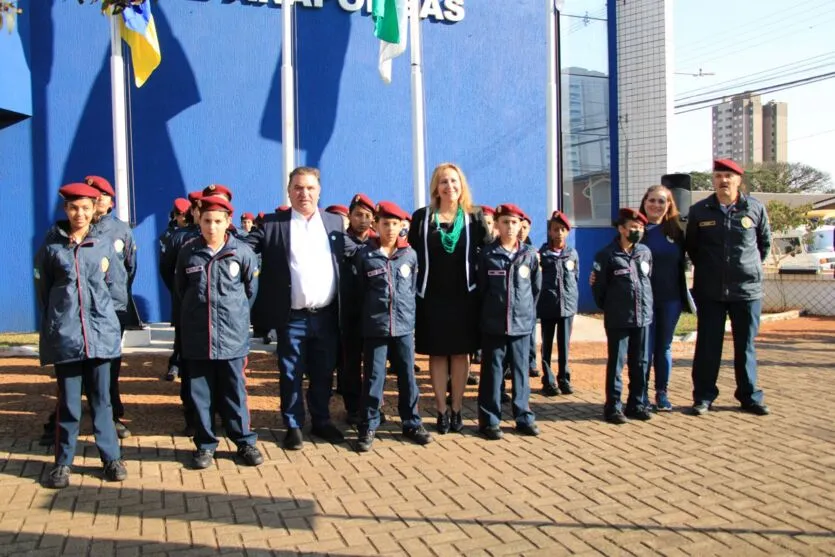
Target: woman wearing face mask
448	236
665	239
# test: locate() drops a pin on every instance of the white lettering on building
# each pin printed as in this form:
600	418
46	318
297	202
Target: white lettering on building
437	10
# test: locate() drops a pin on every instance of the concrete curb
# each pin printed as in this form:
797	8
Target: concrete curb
782	316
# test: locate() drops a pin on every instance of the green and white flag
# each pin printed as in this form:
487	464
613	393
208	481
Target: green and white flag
390	23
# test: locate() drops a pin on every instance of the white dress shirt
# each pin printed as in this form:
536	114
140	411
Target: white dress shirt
312	278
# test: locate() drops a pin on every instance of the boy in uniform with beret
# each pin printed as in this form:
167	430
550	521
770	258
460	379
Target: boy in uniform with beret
216	277
386	273
623	290
509	283
120	234
247	223
340	210
79	329
179	217
557	302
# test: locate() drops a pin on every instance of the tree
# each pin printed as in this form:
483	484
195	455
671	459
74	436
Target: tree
784	217
775	177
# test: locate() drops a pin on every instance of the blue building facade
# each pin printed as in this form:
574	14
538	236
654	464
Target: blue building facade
211	113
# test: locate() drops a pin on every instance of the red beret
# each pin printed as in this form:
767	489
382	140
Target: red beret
337	210
194	195
727	165
247	216
100	184
261	215
487	210
362	199
509	210
526	217
631	214
215	203
561	217
77	190
181	205
282	208
390	209
217	189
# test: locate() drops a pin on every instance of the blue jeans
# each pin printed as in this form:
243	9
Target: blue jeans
661	331
219	386
495	348
93	376
400	351
307	346
629	346
562	327
745	322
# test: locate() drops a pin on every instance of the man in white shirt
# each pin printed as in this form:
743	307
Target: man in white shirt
301	249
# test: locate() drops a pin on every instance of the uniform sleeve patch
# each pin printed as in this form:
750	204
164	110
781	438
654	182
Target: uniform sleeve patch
196	269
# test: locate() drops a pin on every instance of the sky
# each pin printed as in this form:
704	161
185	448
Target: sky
737	38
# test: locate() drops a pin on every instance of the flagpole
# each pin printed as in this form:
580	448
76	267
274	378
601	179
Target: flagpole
552	108
120	134
418	132
288	95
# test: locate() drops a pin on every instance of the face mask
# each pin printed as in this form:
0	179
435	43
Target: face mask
634	236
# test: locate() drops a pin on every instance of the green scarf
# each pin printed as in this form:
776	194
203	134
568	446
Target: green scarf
450	239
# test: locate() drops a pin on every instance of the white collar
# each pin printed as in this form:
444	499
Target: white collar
295	215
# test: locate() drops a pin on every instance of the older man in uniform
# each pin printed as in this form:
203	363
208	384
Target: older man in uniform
728	238
302	249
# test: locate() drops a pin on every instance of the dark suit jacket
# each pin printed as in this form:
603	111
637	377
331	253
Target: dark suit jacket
272	241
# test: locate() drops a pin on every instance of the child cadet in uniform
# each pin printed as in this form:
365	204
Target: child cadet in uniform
79	331
216	278
557	305
622	289
509	283
179	217
386	273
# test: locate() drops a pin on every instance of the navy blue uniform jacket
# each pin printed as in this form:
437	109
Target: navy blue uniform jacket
272	241
623	288
509	286
386	289
560	275
119	233
727	251
73	281
215	293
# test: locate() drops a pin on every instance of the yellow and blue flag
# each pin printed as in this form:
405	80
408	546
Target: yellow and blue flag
137	28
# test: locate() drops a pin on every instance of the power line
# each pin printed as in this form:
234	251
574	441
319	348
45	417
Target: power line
771	89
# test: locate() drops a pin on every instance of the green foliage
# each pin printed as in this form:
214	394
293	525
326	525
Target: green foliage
784	217
775	177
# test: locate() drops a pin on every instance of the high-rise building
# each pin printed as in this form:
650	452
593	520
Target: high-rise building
749	132
775	116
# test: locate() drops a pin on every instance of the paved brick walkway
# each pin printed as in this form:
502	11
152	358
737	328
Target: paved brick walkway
727	484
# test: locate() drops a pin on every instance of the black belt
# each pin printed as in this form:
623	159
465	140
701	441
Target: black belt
311	311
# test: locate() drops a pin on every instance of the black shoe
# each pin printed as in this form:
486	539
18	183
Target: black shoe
505	398
59	477
172	373
353	418
534	372
328	432
527	429
455	422
756	408
365	440
266	339
442	425
122	430
250	455
565	388
417	368
700	408
638	413
418	434
200	460
472	379
493	433
115	471
550	390
615	417
293	440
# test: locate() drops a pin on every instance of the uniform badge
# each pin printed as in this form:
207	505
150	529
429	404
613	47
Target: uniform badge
119	245
596	266
707	223
37	274
234	268
569	265
405	270
333	237
645	267
256	273
105	264
746	222
524	271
